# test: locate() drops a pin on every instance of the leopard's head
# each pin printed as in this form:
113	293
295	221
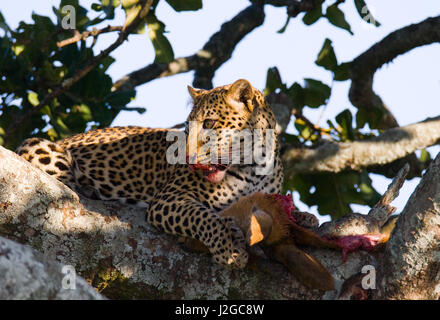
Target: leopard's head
221	127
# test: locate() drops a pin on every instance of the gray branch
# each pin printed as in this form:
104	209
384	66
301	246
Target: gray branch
393	144
28	274
410	268
114	249
206	61
363	68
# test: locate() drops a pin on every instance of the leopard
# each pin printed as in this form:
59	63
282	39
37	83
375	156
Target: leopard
132	164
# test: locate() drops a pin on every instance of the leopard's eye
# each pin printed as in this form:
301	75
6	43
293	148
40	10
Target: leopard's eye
208	124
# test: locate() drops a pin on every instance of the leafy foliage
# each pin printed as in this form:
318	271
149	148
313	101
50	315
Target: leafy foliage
365	13
33	66
336	17
332	193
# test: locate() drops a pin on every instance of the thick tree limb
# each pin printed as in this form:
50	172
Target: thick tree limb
410	268
28	274
123	257
363	68
205	62
393	144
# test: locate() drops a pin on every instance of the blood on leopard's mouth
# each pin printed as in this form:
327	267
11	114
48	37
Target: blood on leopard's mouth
213	172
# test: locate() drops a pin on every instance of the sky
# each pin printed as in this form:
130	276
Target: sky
409	86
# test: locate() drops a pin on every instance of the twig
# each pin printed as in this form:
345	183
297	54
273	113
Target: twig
314	127
178	126
382	210
84	35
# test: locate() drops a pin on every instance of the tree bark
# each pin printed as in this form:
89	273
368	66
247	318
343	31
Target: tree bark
120	255
391	145
411	261
28	274
363	68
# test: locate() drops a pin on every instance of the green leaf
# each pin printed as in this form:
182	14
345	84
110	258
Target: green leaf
96	7
342	72
425	156
60	127
273	81
303	129
316	93
106	62
139	110
289	138
285	25
3	24
132	8
370	116
108	7
185	5
33	98
326	57
312	16
365	13
53	135
336	17
296	92
120	98
345	120
113	3
162	47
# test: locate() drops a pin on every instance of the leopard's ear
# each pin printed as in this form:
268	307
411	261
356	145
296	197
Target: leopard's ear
194	92
240	95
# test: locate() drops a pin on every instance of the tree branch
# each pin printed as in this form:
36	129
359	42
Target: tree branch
410	268
84	35
113	248
216	51
393	144
294	7
29	275
363	68
67	83
205	62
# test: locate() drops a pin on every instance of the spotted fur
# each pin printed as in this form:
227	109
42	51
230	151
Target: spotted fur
129	164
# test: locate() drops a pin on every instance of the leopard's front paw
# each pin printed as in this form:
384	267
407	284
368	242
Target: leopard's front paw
230	248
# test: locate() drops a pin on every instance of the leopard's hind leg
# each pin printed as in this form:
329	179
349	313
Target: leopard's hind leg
49	157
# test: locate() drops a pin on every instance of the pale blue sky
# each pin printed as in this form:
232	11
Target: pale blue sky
410	85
